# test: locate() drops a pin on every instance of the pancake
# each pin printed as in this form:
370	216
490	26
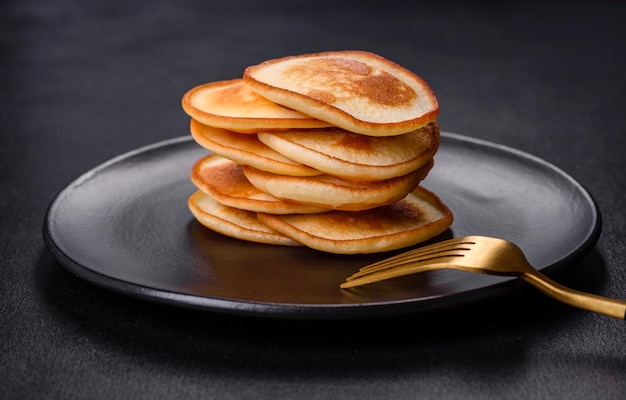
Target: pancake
329	192
233	105
324	150
418	217
246	149
233	222
355	90
224	181
355	157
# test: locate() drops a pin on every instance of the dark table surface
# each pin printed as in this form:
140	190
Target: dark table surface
84	81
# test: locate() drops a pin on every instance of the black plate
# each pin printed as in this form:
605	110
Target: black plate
125	226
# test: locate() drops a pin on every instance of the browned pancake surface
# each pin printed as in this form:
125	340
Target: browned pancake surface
233	222
223	179
233	105
416	218
246	149
329	192
355	157
355	90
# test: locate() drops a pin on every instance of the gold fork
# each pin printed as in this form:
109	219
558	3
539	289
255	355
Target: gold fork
483	255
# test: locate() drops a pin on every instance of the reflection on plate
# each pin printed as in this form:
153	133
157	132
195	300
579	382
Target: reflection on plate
125	226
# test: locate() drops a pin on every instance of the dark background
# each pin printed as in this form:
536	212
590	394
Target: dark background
83	81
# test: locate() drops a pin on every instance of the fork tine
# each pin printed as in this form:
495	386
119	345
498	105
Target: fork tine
410	262
409	258
419	252
392	272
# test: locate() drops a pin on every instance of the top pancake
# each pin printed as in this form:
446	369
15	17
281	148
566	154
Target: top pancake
354	90
233	105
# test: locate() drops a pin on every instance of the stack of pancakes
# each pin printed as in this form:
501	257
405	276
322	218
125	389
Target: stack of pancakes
324	150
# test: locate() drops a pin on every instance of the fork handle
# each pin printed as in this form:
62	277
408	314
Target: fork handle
586	301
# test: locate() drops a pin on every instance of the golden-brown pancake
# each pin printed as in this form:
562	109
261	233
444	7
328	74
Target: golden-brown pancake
416	218
246	149
233	222
223	180
325	150
233	105
354	90
355	157
329	192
